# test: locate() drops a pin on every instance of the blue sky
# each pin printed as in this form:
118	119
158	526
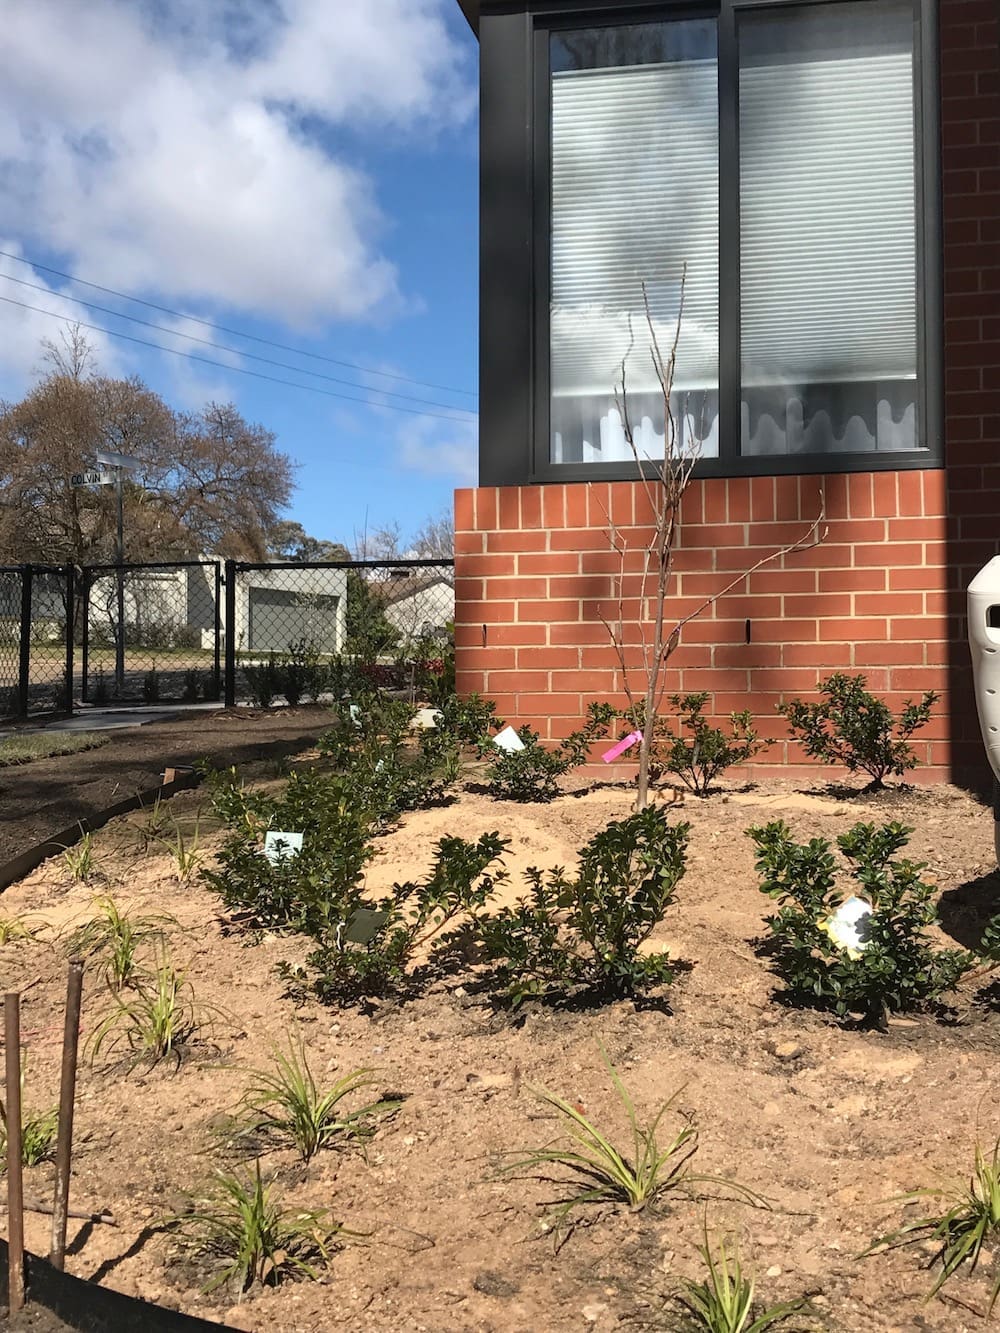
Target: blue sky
302	170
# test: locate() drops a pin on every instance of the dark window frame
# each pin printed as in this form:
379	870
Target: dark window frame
531	30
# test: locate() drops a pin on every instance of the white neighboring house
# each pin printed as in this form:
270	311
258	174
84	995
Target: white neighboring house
420	605
175	607
281	606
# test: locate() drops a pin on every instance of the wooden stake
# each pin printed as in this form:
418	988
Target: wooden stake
15	1179
67	1102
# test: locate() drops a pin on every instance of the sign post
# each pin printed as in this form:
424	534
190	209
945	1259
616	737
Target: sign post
120	463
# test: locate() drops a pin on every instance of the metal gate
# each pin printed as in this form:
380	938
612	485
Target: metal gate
151	633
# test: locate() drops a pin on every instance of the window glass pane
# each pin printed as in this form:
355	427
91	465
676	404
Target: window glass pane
827	230
635	198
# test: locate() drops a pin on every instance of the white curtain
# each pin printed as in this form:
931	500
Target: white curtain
634	199
827	229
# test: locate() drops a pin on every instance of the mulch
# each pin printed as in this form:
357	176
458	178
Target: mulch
40	798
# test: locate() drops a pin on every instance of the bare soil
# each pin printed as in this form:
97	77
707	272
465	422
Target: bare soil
825	1122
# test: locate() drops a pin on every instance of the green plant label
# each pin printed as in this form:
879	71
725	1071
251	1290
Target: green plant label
363	925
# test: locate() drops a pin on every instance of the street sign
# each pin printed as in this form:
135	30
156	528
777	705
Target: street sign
108	459
92	479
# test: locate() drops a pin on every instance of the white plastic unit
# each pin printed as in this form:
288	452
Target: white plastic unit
984	643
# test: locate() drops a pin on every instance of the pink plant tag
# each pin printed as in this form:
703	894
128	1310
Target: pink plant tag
621	747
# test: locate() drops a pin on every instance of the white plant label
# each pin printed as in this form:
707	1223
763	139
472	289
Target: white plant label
280	847
847	925
508	739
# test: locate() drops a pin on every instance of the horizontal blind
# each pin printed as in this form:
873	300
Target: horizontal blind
827	196
634	198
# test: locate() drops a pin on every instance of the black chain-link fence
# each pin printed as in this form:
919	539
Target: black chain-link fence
309	631
247	633
151	633
36	653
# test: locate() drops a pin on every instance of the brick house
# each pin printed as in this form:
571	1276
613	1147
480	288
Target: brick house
828	173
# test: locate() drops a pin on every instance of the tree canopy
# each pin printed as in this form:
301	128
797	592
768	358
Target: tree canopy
208	481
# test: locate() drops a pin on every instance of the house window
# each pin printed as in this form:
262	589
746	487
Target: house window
770	155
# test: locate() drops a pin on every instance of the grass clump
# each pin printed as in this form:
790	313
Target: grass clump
28	746
184	847
16	928
969	1223
160	1018
285	1103
244	1227
79	859
587	931
603	1172
533	772
891	966
111	941
857	730
724	1301
38	1136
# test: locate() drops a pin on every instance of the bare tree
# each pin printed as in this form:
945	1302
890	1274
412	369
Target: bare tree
435	540
208	482
664	483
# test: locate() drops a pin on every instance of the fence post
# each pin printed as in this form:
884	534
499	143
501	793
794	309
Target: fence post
85	638
230	632
217	660
24	658
70	628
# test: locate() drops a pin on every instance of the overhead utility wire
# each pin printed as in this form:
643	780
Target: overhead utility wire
221	347
234	333
238	370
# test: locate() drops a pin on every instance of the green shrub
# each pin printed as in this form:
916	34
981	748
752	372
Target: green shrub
151	687
471	720
370	957
300	673
852	727
392	767
699	758
533	773
897	969
262	680
192	686
309	892
586	932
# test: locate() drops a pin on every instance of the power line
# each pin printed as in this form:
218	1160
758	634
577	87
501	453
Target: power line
221	347
233	333
238	370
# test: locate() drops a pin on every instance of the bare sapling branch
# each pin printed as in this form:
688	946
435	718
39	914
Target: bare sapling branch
642	648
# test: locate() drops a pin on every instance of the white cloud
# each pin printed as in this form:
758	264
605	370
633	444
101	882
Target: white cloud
440	448
22	330
191	149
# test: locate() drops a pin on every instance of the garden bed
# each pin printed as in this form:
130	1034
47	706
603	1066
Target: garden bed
826	1123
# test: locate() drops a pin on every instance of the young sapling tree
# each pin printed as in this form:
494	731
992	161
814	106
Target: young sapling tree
664	483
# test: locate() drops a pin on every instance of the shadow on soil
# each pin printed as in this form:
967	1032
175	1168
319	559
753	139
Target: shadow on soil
966	910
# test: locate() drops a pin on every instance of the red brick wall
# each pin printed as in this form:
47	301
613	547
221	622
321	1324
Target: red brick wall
884	594
536	573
